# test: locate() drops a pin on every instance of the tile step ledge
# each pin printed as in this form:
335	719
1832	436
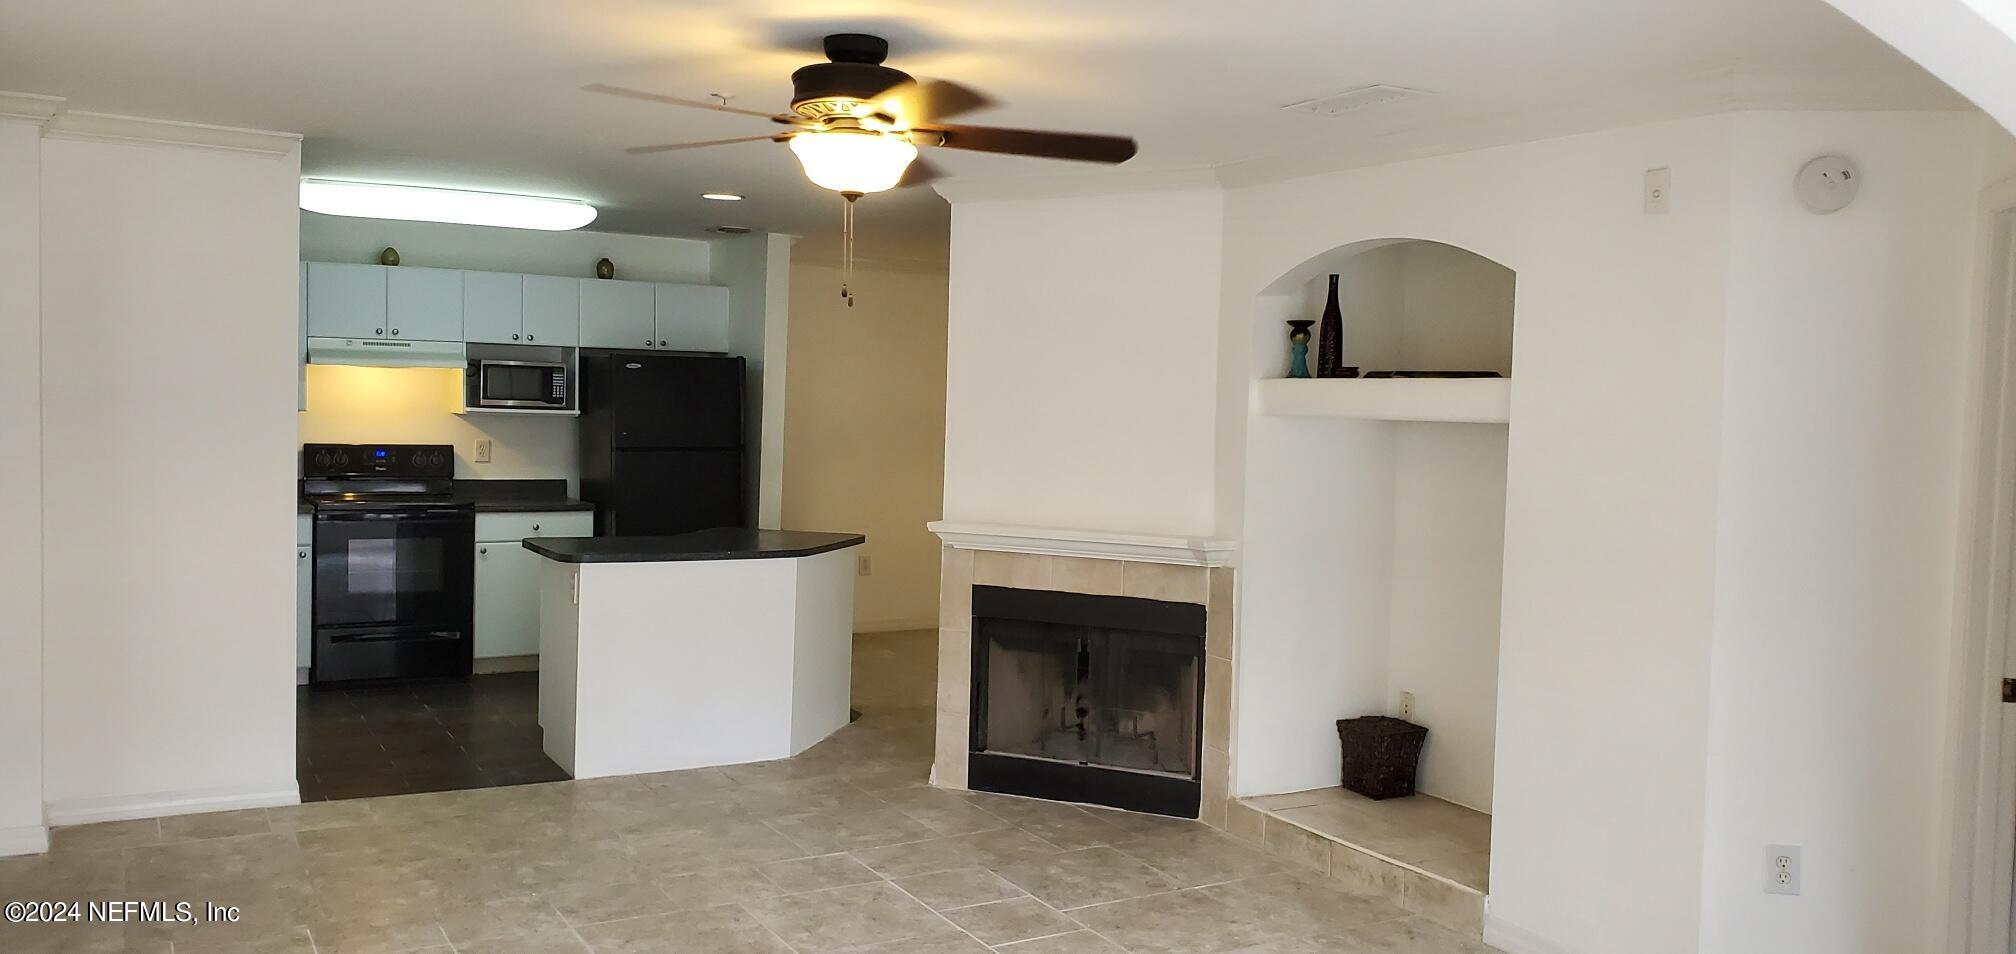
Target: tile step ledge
1095	544
1447	902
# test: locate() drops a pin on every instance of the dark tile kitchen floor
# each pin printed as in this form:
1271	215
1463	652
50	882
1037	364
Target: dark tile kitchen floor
432	736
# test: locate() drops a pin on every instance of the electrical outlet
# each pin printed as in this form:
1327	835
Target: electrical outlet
1658	189
483	451
1406	706
862	567
1781	869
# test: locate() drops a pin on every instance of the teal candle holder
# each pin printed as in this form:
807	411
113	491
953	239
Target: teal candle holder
1298	347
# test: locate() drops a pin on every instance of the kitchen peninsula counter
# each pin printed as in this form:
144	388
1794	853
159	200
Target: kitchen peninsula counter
710	648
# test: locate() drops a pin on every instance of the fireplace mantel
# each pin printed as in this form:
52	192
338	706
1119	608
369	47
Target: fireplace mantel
1096	544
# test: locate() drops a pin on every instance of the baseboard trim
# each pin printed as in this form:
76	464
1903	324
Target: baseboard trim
24	840
1513	939
496	664
896	625
85	811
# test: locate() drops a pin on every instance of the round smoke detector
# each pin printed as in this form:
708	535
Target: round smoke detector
1827	184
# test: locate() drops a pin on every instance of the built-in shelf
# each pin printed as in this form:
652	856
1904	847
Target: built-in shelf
1453	400
527	411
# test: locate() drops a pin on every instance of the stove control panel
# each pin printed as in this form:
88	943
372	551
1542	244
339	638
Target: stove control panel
377	460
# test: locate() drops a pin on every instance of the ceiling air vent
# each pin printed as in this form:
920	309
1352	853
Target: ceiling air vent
732	229
1353	100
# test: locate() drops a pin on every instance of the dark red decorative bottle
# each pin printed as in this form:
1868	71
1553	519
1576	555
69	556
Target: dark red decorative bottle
1330	338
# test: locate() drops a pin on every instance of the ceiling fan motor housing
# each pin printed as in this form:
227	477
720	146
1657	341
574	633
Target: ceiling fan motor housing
855	75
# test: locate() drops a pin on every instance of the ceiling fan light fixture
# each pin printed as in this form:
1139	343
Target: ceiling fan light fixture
377	200
847	160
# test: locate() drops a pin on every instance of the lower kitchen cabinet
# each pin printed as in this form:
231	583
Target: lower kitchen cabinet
507	577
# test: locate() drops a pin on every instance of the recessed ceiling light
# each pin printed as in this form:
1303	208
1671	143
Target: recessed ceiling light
456	206
721	196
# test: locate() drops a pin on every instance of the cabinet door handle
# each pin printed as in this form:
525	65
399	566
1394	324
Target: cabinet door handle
484	550
661	344
535	526
301	554
377	331
647	342
514	337
531	337
395	332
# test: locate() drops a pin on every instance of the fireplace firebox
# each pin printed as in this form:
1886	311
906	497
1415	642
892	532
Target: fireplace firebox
1084	698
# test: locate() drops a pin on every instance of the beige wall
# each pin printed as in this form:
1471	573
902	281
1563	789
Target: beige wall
21	475
864	435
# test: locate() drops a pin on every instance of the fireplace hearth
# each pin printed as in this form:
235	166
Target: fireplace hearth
1085	698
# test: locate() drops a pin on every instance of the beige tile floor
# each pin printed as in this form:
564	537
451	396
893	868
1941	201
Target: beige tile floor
1428	833
844	848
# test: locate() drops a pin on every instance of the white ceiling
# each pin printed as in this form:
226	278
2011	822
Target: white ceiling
486	93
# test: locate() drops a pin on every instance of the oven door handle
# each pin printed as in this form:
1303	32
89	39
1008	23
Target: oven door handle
442	514
435	636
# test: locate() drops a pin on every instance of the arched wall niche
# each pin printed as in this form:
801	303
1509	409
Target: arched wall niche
1372	549
1409	304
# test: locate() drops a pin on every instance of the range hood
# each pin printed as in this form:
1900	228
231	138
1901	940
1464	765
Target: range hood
374	353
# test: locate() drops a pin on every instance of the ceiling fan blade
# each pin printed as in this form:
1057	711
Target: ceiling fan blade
650	97
913	103
921	172
1084	147
672	146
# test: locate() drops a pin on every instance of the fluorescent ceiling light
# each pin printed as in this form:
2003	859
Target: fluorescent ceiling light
847	160
721	196
422	204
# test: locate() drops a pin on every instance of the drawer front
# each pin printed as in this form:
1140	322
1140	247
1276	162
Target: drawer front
304	529
513	527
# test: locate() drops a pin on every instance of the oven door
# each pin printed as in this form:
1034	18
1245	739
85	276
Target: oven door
530	384
403	566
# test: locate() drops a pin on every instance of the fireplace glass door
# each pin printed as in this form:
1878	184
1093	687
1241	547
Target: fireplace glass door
1089	695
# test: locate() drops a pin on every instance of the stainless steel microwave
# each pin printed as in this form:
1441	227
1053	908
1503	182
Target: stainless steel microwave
520	384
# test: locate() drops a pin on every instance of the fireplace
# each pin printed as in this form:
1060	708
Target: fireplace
1085	698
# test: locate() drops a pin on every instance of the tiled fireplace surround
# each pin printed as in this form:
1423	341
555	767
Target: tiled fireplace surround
968	560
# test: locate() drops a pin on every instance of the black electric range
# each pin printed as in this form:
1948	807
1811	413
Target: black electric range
394	588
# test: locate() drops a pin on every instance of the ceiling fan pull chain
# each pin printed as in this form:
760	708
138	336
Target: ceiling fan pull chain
847	246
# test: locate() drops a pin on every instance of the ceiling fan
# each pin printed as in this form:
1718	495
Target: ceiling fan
855	124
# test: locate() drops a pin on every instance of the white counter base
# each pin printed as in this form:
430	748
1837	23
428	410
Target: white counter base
686	664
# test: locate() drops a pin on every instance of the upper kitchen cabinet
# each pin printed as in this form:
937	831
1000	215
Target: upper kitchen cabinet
618	314
423	303
346	301
493	307
692	317
552	310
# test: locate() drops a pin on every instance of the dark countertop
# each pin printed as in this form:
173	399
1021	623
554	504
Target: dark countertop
724	543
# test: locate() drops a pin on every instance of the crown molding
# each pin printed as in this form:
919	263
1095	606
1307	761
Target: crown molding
32	107
107	127
1078	185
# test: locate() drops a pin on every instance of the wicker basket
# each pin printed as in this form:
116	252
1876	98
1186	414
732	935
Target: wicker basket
1381	755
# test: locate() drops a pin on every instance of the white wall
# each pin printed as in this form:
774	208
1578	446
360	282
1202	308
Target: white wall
865	436
21	475
338	238
1081	361
1447	558
168	304
757	271
1836	550
351	405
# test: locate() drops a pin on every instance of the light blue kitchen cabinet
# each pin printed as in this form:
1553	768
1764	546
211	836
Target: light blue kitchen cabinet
423	304
493	307
692	317
304	603
618	314
552	309
346	301
507	577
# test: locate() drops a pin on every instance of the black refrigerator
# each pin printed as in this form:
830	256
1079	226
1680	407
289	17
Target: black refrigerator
661	442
